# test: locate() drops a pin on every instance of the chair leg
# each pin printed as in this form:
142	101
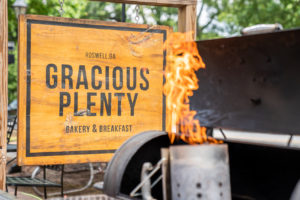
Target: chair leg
62	180
16	190
45	188
45	192
6	188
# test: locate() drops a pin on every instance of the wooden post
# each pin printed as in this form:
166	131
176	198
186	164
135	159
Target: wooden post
186	11
187	19
3	90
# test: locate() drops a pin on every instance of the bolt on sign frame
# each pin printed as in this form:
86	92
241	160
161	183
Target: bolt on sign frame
186	11
86	86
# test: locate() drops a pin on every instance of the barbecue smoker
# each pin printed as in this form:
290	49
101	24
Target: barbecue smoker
251	83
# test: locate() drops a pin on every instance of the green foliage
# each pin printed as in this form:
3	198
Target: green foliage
96	10
73	9
13	77
12	21
164	16
285	12
237	14
103	11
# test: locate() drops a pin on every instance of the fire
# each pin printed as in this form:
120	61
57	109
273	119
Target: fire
183	61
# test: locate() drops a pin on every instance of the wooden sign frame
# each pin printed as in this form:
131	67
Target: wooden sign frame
40	120
3	89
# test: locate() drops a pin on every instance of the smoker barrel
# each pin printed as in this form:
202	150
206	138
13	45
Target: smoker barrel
250	83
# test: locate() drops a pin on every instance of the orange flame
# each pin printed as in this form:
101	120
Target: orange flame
181	80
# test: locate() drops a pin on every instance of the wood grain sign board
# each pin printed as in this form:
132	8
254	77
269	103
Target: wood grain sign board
86	86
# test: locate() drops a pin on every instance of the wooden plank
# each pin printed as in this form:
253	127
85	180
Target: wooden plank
187	19
3	90
168	3
111	72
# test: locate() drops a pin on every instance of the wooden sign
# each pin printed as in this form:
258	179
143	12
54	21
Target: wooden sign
85	87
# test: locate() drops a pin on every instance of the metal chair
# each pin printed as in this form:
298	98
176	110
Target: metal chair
76	190
11	123
36	182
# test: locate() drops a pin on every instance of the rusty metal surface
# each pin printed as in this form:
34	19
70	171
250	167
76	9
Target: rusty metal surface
200	172
250	83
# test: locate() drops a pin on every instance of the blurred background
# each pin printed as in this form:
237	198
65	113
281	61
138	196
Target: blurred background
215	18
